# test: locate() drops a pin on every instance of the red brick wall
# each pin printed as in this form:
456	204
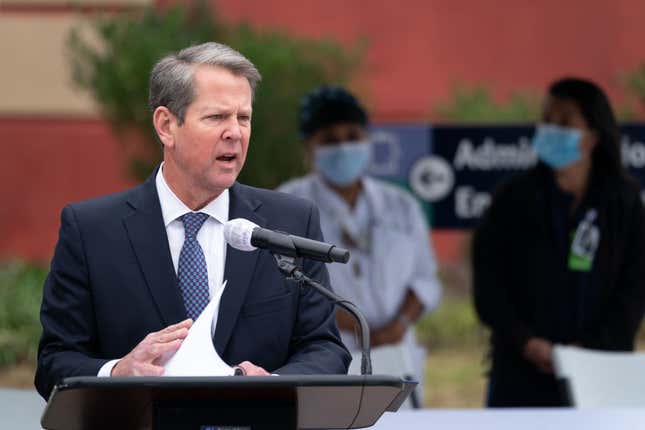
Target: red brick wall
419	48
46	164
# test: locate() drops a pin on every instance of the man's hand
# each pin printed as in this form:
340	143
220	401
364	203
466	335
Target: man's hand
251	369
395	330
539	352
144	359
390	334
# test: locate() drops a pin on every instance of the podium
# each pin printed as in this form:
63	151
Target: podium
224	403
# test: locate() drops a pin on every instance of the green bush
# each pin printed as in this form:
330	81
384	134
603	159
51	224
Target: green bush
116	70
20	295
474	104
633	82
453	324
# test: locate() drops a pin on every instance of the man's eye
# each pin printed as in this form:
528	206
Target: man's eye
216	116
244	118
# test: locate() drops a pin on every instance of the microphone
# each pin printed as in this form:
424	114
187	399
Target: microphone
244	235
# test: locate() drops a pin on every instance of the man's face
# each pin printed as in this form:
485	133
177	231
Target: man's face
208	150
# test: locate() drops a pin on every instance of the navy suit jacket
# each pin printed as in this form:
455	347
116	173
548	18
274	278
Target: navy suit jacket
112	282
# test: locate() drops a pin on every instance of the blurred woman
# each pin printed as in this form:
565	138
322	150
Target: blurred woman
391	274
559	256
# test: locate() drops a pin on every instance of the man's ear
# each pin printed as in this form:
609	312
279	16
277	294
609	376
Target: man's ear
164	122
309	153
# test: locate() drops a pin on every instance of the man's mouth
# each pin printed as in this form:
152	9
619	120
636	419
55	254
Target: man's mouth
226	157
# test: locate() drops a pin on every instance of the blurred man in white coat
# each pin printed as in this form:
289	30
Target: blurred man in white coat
391	275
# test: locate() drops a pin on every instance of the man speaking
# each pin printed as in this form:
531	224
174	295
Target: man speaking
132	270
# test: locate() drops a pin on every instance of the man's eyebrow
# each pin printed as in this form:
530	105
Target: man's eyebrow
212	108
223	109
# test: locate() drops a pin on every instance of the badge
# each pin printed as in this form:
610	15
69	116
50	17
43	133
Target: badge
585	243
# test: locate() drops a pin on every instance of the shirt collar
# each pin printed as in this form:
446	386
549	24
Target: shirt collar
332	200
172	207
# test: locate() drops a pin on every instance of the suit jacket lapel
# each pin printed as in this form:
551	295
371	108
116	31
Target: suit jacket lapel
238	270
147	234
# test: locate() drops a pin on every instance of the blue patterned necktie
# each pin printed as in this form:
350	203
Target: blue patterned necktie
192	272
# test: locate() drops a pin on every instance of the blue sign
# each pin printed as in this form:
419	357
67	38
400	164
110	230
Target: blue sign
454	170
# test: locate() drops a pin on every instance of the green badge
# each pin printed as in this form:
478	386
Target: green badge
584	244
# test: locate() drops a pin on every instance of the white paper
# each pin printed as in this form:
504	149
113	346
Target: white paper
197	356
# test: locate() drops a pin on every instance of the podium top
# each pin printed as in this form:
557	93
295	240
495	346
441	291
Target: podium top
323	401
79	382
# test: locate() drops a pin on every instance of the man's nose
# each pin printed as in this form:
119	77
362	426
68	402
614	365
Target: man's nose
233	130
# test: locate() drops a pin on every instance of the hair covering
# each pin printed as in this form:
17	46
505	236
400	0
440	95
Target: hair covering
327	105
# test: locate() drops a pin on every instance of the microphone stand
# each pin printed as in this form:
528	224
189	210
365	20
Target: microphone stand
288	266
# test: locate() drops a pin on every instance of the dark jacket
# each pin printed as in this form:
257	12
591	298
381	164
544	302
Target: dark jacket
522	284
112	282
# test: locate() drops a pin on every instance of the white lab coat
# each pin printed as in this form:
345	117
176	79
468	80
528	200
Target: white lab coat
394	254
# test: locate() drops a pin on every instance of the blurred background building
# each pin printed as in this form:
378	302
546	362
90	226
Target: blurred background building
56	148
421	62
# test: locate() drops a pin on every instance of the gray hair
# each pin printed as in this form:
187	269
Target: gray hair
171	79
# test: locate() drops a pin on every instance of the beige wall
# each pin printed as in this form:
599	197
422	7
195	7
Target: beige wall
74	3
35	77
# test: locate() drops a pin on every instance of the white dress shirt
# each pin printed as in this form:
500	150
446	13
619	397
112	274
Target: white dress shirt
210	238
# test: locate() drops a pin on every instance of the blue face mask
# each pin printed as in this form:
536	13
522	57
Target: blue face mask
344	163
557	146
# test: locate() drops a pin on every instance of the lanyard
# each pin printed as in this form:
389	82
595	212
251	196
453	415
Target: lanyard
360	237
